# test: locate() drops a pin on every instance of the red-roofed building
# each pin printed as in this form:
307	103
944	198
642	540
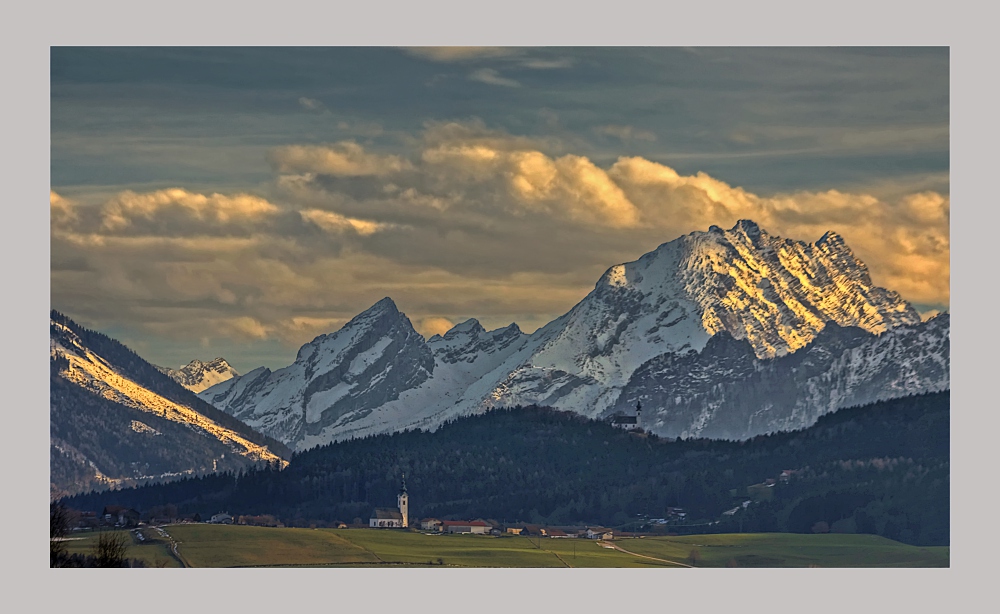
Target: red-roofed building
558	533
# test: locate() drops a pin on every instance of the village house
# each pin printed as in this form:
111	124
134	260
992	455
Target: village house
221	518
676	514
465	526
430	524
120	516
599	533
558	533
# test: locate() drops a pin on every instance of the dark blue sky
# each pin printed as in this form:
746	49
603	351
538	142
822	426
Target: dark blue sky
766	119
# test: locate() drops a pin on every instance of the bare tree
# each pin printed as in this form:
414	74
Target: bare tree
111	548
58	529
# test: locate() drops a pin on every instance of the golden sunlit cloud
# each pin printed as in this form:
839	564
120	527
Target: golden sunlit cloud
470	222
343	159
335	222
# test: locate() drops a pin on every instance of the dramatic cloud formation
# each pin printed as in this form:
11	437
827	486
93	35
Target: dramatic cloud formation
470	222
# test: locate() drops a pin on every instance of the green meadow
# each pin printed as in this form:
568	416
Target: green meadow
154	551
788	550
202	545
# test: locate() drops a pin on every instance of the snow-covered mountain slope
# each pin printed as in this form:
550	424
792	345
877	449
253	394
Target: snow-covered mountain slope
197	375
109	428
726	392
364	365
775	293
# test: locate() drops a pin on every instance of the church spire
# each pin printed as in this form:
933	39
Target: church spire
403	500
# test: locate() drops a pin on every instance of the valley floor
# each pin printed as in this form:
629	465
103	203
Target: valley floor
204	545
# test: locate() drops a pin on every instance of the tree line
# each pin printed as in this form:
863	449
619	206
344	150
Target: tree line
881	468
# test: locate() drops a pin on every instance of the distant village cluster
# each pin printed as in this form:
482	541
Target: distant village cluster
398	517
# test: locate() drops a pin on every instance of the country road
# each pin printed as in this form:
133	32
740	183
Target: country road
173	547
620	549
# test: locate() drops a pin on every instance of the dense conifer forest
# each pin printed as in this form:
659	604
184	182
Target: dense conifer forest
880	469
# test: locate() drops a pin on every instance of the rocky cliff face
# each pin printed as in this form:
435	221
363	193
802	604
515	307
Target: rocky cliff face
351	373
774	295
726	392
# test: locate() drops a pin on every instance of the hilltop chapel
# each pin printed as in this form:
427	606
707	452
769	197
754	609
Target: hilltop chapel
388	518
629	422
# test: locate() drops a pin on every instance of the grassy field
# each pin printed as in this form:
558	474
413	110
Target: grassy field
788	550
204	545
154	551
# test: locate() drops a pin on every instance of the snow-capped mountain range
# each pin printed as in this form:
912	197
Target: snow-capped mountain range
775	295
197	375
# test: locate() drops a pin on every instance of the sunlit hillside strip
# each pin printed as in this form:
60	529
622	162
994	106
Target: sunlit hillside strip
90	371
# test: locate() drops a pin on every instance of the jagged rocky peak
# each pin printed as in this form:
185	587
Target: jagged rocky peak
778	293
378	319
469	340
197	375
469	327
510	331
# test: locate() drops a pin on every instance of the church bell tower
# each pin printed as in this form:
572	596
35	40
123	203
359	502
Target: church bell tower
403	500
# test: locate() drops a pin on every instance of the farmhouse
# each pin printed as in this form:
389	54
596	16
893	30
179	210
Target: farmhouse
558	533
599	533
222	518
120	516
465	526
430	524
388	518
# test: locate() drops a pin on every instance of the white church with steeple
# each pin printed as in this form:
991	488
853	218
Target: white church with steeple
388	518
